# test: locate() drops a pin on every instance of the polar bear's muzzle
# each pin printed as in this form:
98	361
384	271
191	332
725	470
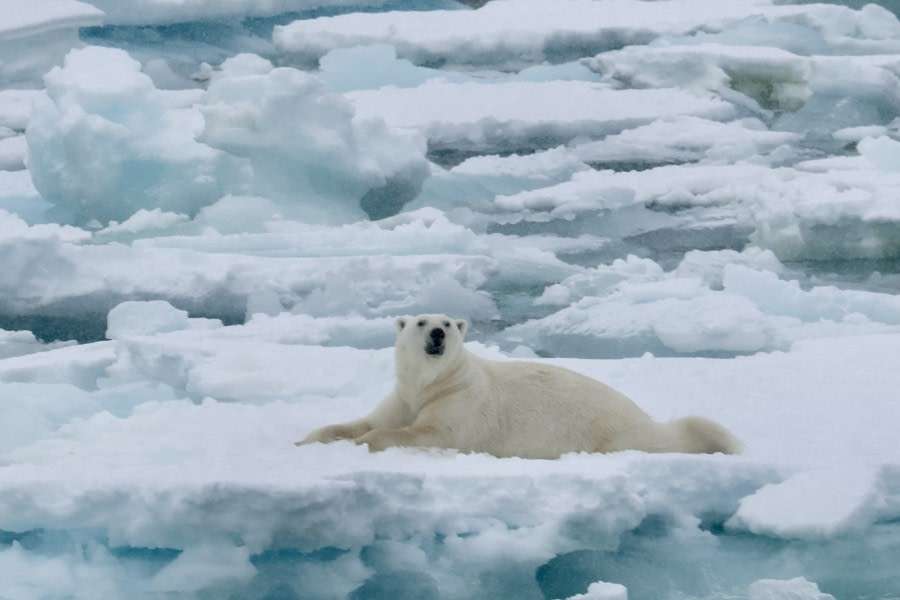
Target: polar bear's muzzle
434	346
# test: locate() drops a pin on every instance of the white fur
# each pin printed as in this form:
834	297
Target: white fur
531	410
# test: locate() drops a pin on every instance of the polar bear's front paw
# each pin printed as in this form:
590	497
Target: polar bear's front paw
377	440
332	433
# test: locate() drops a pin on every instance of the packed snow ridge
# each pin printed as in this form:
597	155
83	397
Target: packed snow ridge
211	213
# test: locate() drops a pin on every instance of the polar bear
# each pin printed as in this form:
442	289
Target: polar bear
446	397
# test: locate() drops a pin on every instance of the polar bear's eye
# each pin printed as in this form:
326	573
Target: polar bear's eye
421	323
447	324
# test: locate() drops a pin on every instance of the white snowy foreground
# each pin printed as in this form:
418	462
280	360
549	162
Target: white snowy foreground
162	461
212	211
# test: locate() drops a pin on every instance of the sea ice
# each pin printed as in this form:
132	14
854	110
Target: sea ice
17	343
512	34
734	308
524	114
152	12
106	142
12	153
144	318
179	151
163	503
307	147
227	204
16	107
35	36
683	139
794	589
816	504
772	78
375	66
603	591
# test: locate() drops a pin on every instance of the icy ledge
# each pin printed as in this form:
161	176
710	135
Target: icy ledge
36	34
114	481
511	34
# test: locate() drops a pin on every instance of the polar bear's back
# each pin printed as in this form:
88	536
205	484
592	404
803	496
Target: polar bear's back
546	410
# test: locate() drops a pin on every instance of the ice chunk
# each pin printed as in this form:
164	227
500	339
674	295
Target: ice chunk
847	91
812	504
773	78
34	411
375	66
711	266
12	153
23	247
277	131
18	343
820	29
882	151
677	139
571	71
35	36
791	64
18	196
605	190
524	114
30	412
714	322
818	212
144	318
835	214
427	262
857	134
150	12
793	589
679	315
59	575
777	297
203	565
510	35
106	142
16	107
723	302
601	280
602	590
473	184
305	145
144	220
547	166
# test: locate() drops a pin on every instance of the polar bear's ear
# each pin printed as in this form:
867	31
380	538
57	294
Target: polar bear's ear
401	323
462	326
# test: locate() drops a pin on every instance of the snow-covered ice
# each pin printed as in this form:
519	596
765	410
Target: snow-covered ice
521	114
511	34
36	35
212	211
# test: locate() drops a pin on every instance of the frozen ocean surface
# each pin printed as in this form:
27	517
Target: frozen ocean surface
211	212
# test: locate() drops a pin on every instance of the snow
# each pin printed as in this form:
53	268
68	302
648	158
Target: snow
222	467
36	35
793	589
212	212
603	591
514	114
510	33
142	12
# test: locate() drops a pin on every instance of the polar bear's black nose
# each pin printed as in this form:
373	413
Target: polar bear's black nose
437	335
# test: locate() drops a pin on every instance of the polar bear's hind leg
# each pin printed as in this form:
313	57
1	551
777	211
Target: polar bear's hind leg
702	436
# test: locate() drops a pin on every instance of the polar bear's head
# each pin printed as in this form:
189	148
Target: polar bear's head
430	336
